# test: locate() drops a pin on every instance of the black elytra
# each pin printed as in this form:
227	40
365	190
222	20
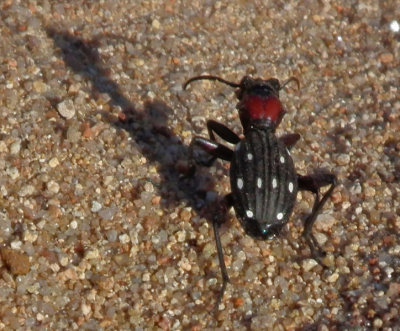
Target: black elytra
263	178
263	183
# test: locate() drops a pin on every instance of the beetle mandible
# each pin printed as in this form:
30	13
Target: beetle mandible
263	179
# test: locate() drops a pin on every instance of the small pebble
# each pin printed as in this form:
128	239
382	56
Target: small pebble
92	254
324	222
107	213
3	147
17	262
124	238
155	24
343	159
386	58
86	309
308	264
96	206
333	278
15	147
53	186
66	109
16	244
13	173
26	190
53	162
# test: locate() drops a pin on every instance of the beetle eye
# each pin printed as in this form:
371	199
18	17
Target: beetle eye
274	84
245	81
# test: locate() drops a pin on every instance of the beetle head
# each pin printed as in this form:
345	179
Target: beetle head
259	102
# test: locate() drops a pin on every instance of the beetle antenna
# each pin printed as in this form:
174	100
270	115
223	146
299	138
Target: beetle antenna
289	80
210	77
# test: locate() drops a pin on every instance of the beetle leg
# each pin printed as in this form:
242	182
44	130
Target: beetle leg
290	139
313	183
213	148
223	131
218	219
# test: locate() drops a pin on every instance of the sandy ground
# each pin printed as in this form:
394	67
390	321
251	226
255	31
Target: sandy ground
100	226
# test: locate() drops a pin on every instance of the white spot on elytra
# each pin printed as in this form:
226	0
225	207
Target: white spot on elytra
279	216
274	183
250	156
239	183
259	182
249	213
290	187
282	159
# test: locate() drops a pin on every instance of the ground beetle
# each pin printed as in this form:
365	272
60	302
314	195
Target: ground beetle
263	179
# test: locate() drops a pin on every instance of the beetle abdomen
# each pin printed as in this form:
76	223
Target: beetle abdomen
263	182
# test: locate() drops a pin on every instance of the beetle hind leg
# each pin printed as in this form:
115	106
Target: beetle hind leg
217	150
313	183
218	219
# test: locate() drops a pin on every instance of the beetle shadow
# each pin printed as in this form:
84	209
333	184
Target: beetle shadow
148	127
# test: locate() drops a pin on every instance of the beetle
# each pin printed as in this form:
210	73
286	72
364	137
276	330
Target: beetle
263	179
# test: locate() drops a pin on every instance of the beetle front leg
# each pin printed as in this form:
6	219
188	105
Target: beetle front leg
223	131
313	183
208	146
213	148
219	218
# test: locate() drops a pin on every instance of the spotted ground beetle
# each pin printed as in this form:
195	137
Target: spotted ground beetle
263	179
